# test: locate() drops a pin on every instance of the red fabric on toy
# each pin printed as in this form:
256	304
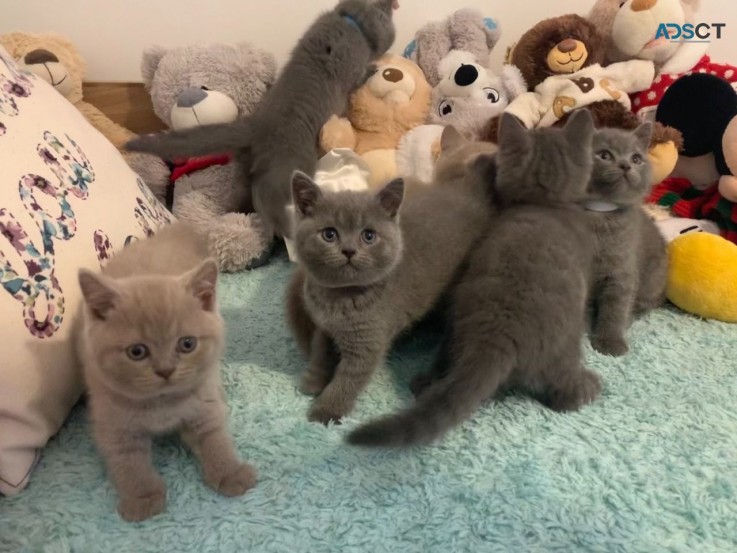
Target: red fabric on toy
186	166
684	200
650	98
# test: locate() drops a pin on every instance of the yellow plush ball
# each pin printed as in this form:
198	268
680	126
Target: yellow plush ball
702	278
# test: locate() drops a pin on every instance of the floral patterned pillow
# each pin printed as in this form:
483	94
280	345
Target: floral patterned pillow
67	200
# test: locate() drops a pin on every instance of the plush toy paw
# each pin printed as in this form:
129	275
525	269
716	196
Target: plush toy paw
337	132
152	170
702	276
728	187
663	158
240	241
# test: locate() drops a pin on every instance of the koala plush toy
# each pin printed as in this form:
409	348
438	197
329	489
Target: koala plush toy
202	85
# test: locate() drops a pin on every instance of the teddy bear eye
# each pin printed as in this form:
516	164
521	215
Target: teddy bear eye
445	108
492	95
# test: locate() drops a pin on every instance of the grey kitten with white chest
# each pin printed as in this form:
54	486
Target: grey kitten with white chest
370	270
518	312
150	340
630	264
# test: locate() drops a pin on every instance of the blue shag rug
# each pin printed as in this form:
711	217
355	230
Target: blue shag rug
651	466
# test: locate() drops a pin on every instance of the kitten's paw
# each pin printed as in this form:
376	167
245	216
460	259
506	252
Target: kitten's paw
312	384
142	507
324	415
607	344
419	383
238	482
582	391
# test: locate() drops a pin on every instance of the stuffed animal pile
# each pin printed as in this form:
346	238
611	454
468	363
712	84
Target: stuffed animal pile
606	62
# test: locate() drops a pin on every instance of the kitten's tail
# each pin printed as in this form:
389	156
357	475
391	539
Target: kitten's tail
221	138
443	405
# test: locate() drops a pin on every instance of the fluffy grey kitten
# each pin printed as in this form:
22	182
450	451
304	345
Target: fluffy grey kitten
630	267
329	62
369	272
150	340
518	312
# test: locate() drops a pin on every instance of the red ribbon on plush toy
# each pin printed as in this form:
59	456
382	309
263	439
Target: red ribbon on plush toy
685	200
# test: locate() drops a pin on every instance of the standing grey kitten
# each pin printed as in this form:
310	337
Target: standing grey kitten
150	341
630	267
517	315
330	61
369	272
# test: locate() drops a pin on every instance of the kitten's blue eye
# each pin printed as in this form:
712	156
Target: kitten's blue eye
637	159
368	236
137	352
606	155
187	344
329	234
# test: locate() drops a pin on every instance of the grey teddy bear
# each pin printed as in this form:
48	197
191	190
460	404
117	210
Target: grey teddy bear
200	85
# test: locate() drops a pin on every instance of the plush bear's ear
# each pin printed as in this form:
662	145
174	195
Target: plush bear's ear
150	63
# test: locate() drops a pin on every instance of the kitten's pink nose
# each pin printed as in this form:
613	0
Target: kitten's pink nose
164	373
349	252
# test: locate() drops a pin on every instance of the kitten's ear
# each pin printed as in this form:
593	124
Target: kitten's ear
305	193
512	133
485	167
100	293
387	6
202	283
390	197
580	126
451	139
643	134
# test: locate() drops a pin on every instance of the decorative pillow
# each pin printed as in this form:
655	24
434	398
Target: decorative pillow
67	200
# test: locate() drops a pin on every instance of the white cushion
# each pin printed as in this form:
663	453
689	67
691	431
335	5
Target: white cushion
67	200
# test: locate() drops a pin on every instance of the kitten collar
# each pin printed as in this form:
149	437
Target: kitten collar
601	206
352	21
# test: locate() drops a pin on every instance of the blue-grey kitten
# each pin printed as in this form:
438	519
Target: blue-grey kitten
518	312
630	266
330	61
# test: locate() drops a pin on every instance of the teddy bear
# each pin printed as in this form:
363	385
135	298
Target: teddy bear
454	55
561	60
394	100
56	60
702	183
199	85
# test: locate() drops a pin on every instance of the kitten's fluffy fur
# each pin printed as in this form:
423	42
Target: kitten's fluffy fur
346	316
329	62
150	341
630	260
518	312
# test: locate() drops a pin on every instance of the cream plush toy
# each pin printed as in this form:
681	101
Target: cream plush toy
394	100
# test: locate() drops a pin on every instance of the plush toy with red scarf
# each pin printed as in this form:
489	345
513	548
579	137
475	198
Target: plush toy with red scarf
696	96
201	85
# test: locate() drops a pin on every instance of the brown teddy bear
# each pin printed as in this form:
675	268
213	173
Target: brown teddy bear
55	59
394	100
561	60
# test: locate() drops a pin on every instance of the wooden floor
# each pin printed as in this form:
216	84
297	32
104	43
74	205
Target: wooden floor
128	104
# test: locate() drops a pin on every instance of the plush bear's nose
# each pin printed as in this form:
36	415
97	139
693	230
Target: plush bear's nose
392	75
39	56
567	45
466	75
642	5
191	97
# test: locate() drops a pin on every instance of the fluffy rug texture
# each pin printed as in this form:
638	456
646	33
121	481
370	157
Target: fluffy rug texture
651	466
